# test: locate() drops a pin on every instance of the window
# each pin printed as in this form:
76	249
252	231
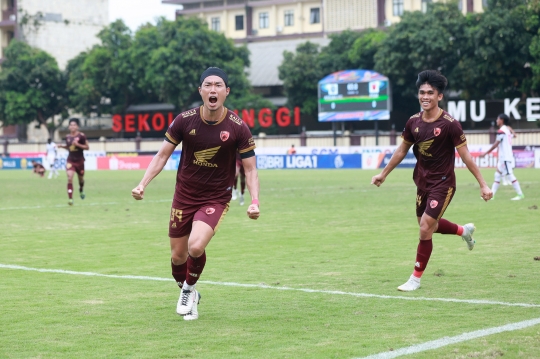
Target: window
315	15
215	25
425	5
239	21
398	7
460	5
289	18
264	20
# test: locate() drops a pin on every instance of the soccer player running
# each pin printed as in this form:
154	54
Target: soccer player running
210	135
240	173
76	143
505	165
51	158
435	135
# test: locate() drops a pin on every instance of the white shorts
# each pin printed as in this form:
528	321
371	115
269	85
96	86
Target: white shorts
506	167
50	160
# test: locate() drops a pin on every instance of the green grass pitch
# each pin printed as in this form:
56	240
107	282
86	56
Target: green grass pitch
326	230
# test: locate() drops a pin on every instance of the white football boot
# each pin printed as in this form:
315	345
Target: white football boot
194	313
234	195
412	284
519	197
241	199
468	231
186	301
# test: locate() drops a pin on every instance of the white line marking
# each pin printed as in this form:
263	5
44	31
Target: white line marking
265	286
83	204
435	344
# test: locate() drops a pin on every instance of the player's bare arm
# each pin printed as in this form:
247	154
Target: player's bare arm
491	149
485	191
396	159
252	182
154	168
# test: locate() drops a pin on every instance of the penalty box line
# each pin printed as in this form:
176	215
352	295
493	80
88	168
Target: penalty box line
439	343
265	286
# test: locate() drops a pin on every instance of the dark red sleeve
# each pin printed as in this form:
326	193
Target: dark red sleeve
246	142
174	133
458	137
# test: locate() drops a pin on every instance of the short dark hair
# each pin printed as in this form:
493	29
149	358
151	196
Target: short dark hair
433	78
505	118
76	120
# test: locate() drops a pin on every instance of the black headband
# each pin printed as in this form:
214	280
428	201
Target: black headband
214	71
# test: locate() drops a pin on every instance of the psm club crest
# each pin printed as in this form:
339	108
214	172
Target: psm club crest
224	135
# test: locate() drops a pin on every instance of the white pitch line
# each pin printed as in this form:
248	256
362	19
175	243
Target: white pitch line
85	204
435	344
265	286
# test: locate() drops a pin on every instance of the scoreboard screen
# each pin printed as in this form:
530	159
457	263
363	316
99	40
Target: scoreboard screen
354	95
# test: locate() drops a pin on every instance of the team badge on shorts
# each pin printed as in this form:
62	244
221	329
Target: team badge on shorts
210	210
437	131
433	204
224	135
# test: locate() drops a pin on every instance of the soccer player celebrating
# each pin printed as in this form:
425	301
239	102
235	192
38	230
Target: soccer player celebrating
210	135
434	134
240	172
51	158
505	165
76	143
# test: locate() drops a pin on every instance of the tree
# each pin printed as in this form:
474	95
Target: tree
362	53
496	63
301	73
31	87
105	74
335	56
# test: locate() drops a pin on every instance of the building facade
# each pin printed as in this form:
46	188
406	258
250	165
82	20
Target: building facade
63	28
394	9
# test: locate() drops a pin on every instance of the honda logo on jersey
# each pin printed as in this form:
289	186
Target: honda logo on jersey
433	204
437	131
224	135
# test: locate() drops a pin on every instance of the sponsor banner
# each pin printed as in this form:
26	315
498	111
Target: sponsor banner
309	161
408	162
537	158
325	150
10	163
173	162
123	163
524	159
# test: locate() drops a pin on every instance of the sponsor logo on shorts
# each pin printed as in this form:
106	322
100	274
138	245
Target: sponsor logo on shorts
224	135
210	210
202	157
433	204
416	129
192	132
437	131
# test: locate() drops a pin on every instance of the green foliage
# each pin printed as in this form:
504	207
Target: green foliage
335	56
31	86
362	53
434	40
301	73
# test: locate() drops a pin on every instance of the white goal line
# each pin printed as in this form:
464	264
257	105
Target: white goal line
265	286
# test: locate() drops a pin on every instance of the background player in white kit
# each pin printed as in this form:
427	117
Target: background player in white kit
506	164
51	158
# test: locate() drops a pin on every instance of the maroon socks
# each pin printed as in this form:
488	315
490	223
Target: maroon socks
195	267
422	257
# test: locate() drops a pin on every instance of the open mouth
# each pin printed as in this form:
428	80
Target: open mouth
212	99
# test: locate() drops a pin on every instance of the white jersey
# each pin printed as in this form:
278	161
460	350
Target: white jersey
504	136
51	149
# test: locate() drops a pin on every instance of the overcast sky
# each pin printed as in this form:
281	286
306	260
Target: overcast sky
137	12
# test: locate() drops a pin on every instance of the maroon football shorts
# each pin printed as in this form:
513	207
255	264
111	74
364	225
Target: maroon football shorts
183	216
434	202
78	167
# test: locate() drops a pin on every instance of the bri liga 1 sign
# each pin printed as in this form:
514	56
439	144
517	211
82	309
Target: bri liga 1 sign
154	124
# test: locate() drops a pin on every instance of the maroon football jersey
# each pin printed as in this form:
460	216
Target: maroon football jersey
434	149
76	154
208	162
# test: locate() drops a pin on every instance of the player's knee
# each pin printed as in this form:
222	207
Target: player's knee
196	250
497	177
179	257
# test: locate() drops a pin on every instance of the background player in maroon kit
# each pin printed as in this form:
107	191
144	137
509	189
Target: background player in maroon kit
38	168
434	134
211	135
240	173
76	143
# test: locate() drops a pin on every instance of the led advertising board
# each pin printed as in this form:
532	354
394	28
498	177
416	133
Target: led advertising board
354	95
